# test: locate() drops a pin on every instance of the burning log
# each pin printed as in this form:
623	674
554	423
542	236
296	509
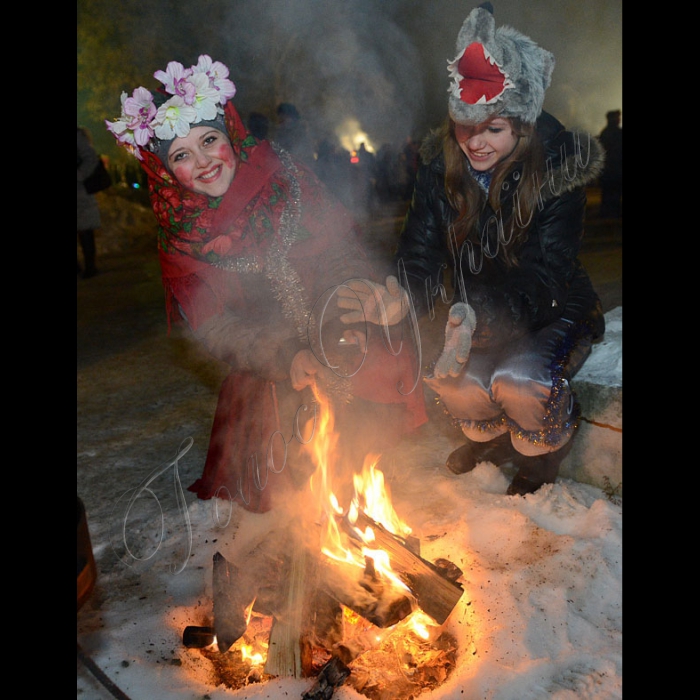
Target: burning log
310	620
381	605
435	593
230	619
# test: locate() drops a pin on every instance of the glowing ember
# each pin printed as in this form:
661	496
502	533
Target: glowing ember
252	657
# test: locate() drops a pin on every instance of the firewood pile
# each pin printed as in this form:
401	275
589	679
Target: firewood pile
305	615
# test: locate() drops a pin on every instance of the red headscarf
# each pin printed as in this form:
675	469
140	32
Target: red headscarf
198	234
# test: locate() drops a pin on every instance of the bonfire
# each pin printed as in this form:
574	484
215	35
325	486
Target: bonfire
343	596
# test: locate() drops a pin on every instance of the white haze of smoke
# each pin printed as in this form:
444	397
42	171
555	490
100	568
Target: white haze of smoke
382	62
335	62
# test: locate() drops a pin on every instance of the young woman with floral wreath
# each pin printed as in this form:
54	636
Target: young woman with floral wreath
252	247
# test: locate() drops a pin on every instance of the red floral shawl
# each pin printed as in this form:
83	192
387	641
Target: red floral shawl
201	238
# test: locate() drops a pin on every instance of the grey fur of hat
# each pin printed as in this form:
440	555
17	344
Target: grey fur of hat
161	147
521	74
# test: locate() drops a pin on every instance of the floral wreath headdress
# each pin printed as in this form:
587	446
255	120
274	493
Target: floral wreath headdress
199	94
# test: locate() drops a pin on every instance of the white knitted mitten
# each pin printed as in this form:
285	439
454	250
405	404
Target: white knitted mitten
461	323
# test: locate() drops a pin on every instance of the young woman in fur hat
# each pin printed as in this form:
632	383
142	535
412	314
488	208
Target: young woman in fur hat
251	245
499	200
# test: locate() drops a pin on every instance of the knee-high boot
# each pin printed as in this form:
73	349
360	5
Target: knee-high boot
534	472
87	243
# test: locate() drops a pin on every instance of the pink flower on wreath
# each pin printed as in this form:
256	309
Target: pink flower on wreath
133	128
175	80
141	109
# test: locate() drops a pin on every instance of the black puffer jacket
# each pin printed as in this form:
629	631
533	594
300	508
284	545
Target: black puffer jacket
549	281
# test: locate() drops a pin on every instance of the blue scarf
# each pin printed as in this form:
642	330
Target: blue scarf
483	178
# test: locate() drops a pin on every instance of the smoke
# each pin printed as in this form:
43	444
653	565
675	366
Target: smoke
381	63
339	64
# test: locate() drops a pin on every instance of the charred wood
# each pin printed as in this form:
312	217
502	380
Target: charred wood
195	637
367	595
230	604
332	675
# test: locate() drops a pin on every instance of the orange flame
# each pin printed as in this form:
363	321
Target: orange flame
254	658
371	496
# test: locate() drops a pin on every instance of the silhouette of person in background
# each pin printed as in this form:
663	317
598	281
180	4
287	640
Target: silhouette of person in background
258	125
88	209
366	168
390	173
333	168
409	158
292	133
611	178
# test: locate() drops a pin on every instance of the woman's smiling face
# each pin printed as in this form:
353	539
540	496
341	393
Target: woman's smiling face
488	143
203	161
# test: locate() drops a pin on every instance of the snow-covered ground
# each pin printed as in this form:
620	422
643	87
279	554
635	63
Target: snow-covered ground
541	614
540	617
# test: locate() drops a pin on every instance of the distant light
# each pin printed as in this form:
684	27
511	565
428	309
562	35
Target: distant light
136	186
353	157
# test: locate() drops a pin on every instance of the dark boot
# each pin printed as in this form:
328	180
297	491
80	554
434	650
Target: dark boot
497	451
87	243
534	472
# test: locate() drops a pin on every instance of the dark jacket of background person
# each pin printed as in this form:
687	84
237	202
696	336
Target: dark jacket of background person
88	209
611	178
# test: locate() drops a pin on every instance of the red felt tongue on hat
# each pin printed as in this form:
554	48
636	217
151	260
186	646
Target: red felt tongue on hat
480	78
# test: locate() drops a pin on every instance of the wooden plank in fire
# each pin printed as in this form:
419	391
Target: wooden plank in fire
435	594
284	655
230	603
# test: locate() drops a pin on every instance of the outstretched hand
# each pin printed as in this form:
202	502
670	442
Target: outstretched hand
461	322
304	368
373	302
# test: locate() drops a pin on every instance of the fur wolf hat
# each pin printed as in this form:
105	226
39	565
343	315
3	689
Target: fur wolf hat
497	72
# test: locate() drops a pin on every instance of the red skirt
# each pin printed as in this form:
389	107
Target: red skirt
253	455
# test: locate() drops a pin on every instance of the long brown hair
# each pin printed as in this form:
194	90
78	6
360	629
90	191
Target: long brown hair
468	199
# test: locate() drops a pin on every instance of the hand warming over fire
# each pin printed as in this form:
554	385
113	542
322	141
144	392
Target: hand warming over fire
304	368
458	341
376	303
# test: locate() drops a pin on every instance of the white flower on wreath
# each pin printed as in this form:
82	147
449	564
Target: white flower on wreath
206	97
218	74
173	119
